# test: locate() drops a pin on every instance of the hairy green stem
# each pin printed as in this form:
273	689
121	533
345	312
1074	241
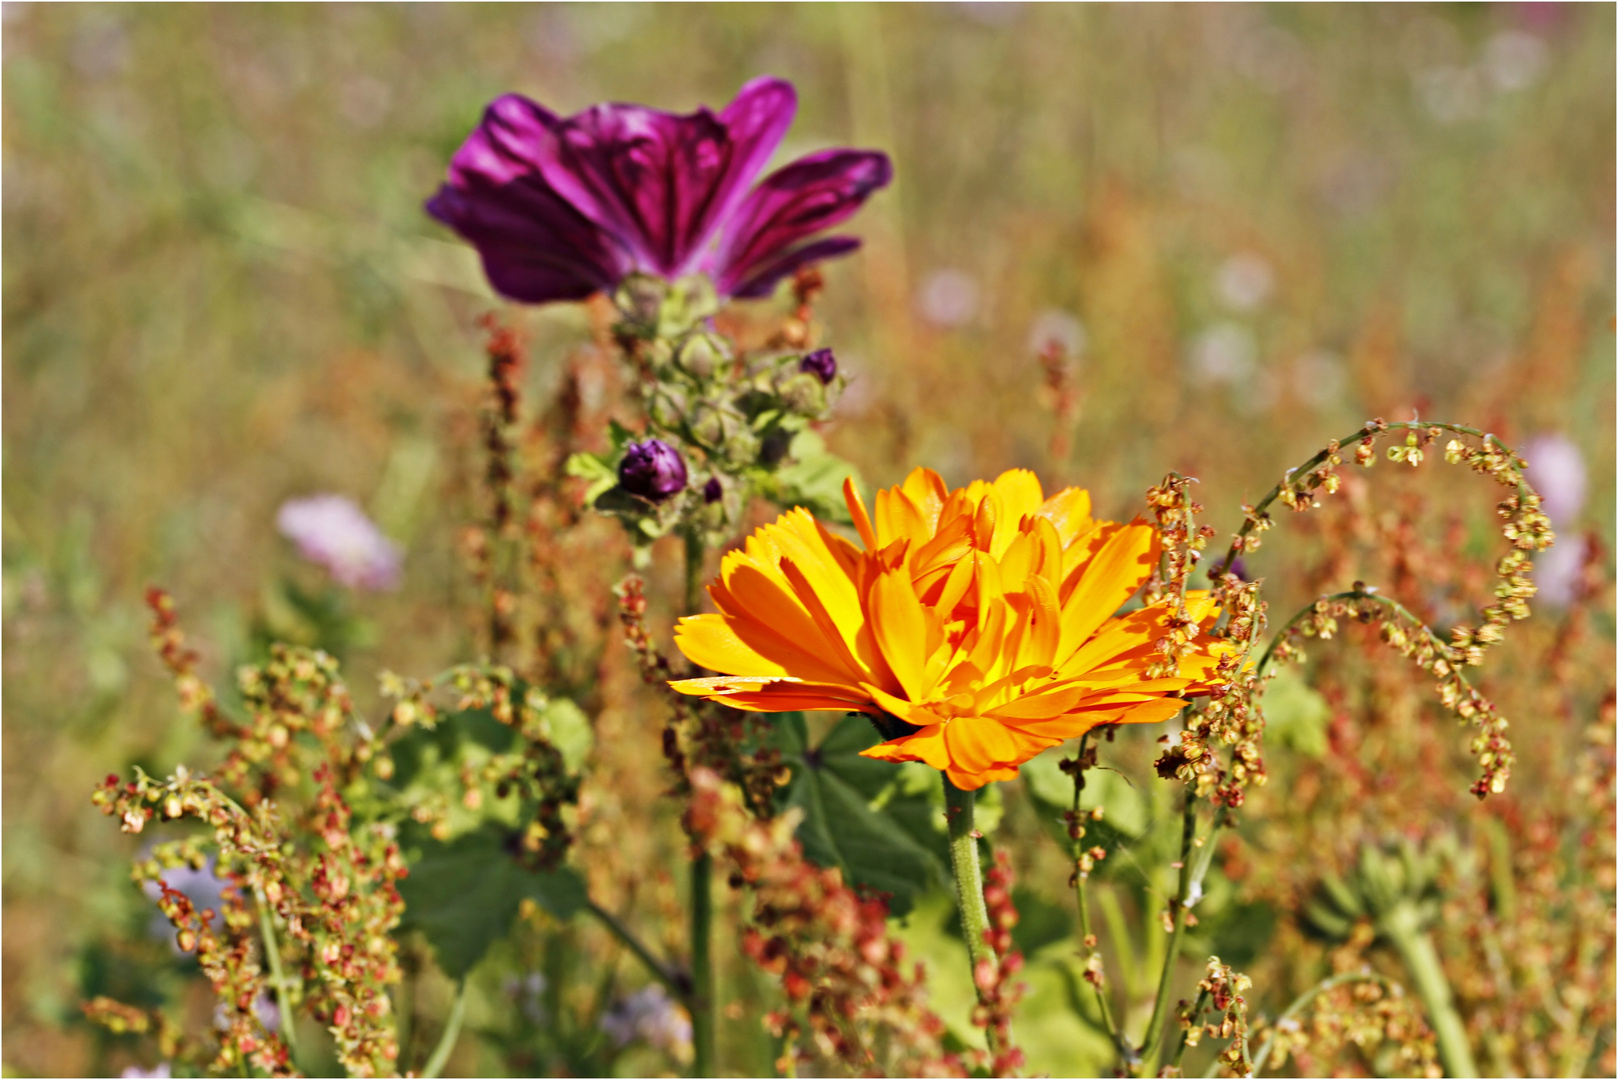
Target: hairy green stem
675	981
1165	981
963	858
1103	999
1402	926
1303	1001
272	953
452	1032
701	999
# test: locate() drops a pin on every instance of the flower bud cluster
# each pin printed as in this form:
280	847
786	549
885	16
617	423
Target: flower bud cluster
122	1019
718	422
864	1008
1231	716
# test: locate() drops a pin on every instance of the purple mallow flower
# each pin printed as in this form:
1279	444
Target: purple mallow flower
652	469
652	1016
560	208
331	531
821	363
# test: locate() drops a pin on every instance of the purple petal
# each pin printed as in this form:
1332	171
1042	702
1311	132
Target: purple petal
793	203
535	247
765	277
660	182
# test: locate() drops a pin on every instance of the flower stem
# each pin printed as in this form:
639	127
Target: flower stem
676	982
963	857
1103	999
1188	872
272	953
452	1031
700	1000
1402	926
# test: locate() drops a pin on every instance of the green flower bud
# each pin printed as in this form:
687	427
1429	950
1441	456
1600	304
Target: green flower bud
666	408
803	394
701	355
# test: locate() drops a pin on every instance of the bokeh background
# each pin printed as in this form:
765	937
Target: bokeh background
1249	227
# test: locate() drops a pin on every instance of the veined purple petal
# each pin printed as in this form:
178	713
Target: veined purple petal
766	276
535	246
791	204
661	183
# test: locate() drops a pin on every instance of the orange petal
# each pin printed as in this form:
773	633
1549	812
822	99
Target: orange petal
856	510
1107	580
901	630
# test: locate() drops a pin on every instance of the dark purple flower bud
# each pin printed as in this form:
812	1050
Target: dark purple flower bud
820	363
713	490
653	470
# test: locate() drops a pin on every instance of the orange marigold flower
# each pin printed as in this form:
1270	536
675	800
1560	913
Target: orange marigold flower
983	619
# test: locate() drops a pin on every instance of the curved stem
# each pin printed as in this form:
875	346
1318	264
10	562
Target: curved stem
677	982
1303	1002
1182	906
968	874
1403	929
1103	1000
1369	430
452	1031
1185	1036
1443	648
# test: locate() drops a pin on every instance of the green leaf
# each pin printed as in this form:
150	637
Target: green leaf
1295	714
569	731
813	478
463	896
602	476
835	787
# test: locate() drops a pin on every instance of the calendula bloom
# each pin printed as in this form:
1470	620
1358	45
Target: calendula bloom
559	208
983	619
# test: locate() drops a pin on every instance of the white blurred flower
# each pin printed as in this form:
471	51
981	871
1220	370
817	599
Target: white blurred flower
265	1006
333	532
160	1071
1224	353
528	991
1514	60
1450	94
1245	281
650	1016
948	297
1318	378
1053	326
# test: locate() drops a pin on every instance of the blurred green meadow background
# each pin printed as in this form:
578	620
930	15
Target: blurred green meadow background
1250	228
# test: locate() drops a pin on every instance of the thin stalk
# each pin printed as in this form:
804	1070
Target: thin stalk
968	874
1303	1002
1415	948
1185	1036
676	982
700	1001
1103	999
1320	459
272	953
1443	648
1165	981
452	1031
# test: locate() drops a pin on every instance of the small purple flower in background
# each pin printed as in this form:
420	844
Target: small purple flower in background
822	363
529	993
331	531
713	490
651	1016
1556	469
204	888
264	1006
560	208
653	470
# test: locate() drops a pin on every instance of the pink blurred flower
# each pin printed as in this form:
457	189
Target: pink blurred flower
334	533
